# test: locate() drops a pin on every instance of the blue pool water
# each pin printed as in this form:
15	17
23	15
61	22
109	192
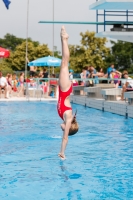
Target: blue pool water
99	162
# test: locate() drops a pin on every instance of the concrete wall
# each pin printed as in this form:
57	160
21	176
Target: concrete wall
116	107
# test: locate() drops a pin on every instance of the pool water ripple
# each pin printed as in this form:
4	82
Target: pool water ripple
99	162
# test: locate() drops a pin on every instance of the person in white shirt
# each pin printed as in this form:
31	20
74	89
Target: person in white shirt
71	74
127	83
83	76
3	84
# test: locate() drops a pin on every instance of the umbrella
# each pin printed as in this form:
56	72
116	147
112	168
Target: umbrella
4	53
48	61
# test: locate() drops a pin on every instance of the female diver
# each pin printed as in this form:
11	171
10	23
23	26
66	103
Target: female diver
70	125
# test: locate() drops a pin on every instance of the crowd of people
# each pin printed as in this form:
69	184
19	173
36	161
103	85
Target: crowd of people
88	77
91	72
17	83
111	76
10	83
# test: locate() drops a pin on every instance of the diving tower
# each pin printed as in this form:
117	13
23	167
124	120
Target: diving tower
123	36
119	9
116	14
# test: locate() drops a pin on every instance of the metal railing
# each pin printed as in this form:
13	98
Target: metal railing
40	87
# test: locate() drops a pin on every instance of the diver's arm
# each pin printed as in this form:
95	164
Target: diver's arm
68	122
65	138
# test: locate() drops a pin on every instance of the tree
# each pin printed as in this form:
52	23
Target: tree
42	51
122	55
11	42
91	52
4	67
18	57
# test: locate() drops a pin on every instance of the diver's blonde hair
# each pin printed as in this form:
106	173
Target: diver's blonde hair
74	127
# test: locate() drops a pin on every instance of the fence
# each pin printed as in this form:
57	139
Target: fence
43	86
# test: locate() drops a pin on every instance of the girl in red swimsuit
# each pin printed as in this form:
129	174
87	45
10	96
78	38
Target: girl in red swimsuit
70	125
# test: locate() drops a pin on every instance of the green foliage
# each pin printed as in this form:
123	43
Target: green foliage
4	67
122	55
42	51
10	42
17	58
91	52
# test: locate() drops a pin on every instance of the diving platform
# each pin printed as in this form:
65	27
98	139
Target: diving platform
123	36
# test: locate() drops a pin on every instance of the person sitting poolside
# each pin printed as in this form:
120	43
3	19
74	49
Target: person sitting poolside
93	74
100	73
110	69
127	84
117	75
71	74
74	82
83	76
3	85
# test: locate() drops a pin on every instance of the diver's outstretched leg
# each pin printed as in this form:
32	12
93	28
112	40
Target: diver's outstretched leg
64	81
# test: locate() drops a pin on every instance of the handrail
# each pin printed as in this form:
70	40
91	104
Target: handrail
81	79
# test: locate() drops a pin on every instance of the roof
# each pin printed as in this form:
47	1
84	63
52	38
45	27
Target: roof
112	5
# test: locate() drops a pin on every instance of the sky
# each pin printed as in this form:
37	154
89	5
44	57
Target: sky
14	20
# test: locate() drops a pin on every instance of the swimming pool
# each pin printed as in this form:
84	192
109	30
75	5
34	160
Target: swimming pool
99	162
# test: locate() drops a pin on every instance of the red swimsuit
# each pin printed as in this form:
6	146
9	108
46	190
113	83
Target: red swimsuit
61	106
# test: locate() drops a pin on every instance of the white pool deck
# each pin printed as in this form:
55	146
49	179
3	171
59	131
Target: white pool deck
12	99
116	107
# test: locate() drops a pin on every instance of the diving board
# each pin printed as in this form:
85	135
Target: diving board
112	5
124	36
87	23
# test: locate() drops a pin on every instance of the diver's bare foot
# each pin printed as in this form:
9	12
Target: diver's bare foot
63	33
62	156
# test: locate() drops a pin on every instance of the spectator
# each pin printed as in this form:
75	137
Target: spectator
53	85
21	84
126	84
87	71
71	74
32	69
93	74
10	86
75	83
45	73
40	74
116	75
101	73
110	69
83	76
14	82
3	85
